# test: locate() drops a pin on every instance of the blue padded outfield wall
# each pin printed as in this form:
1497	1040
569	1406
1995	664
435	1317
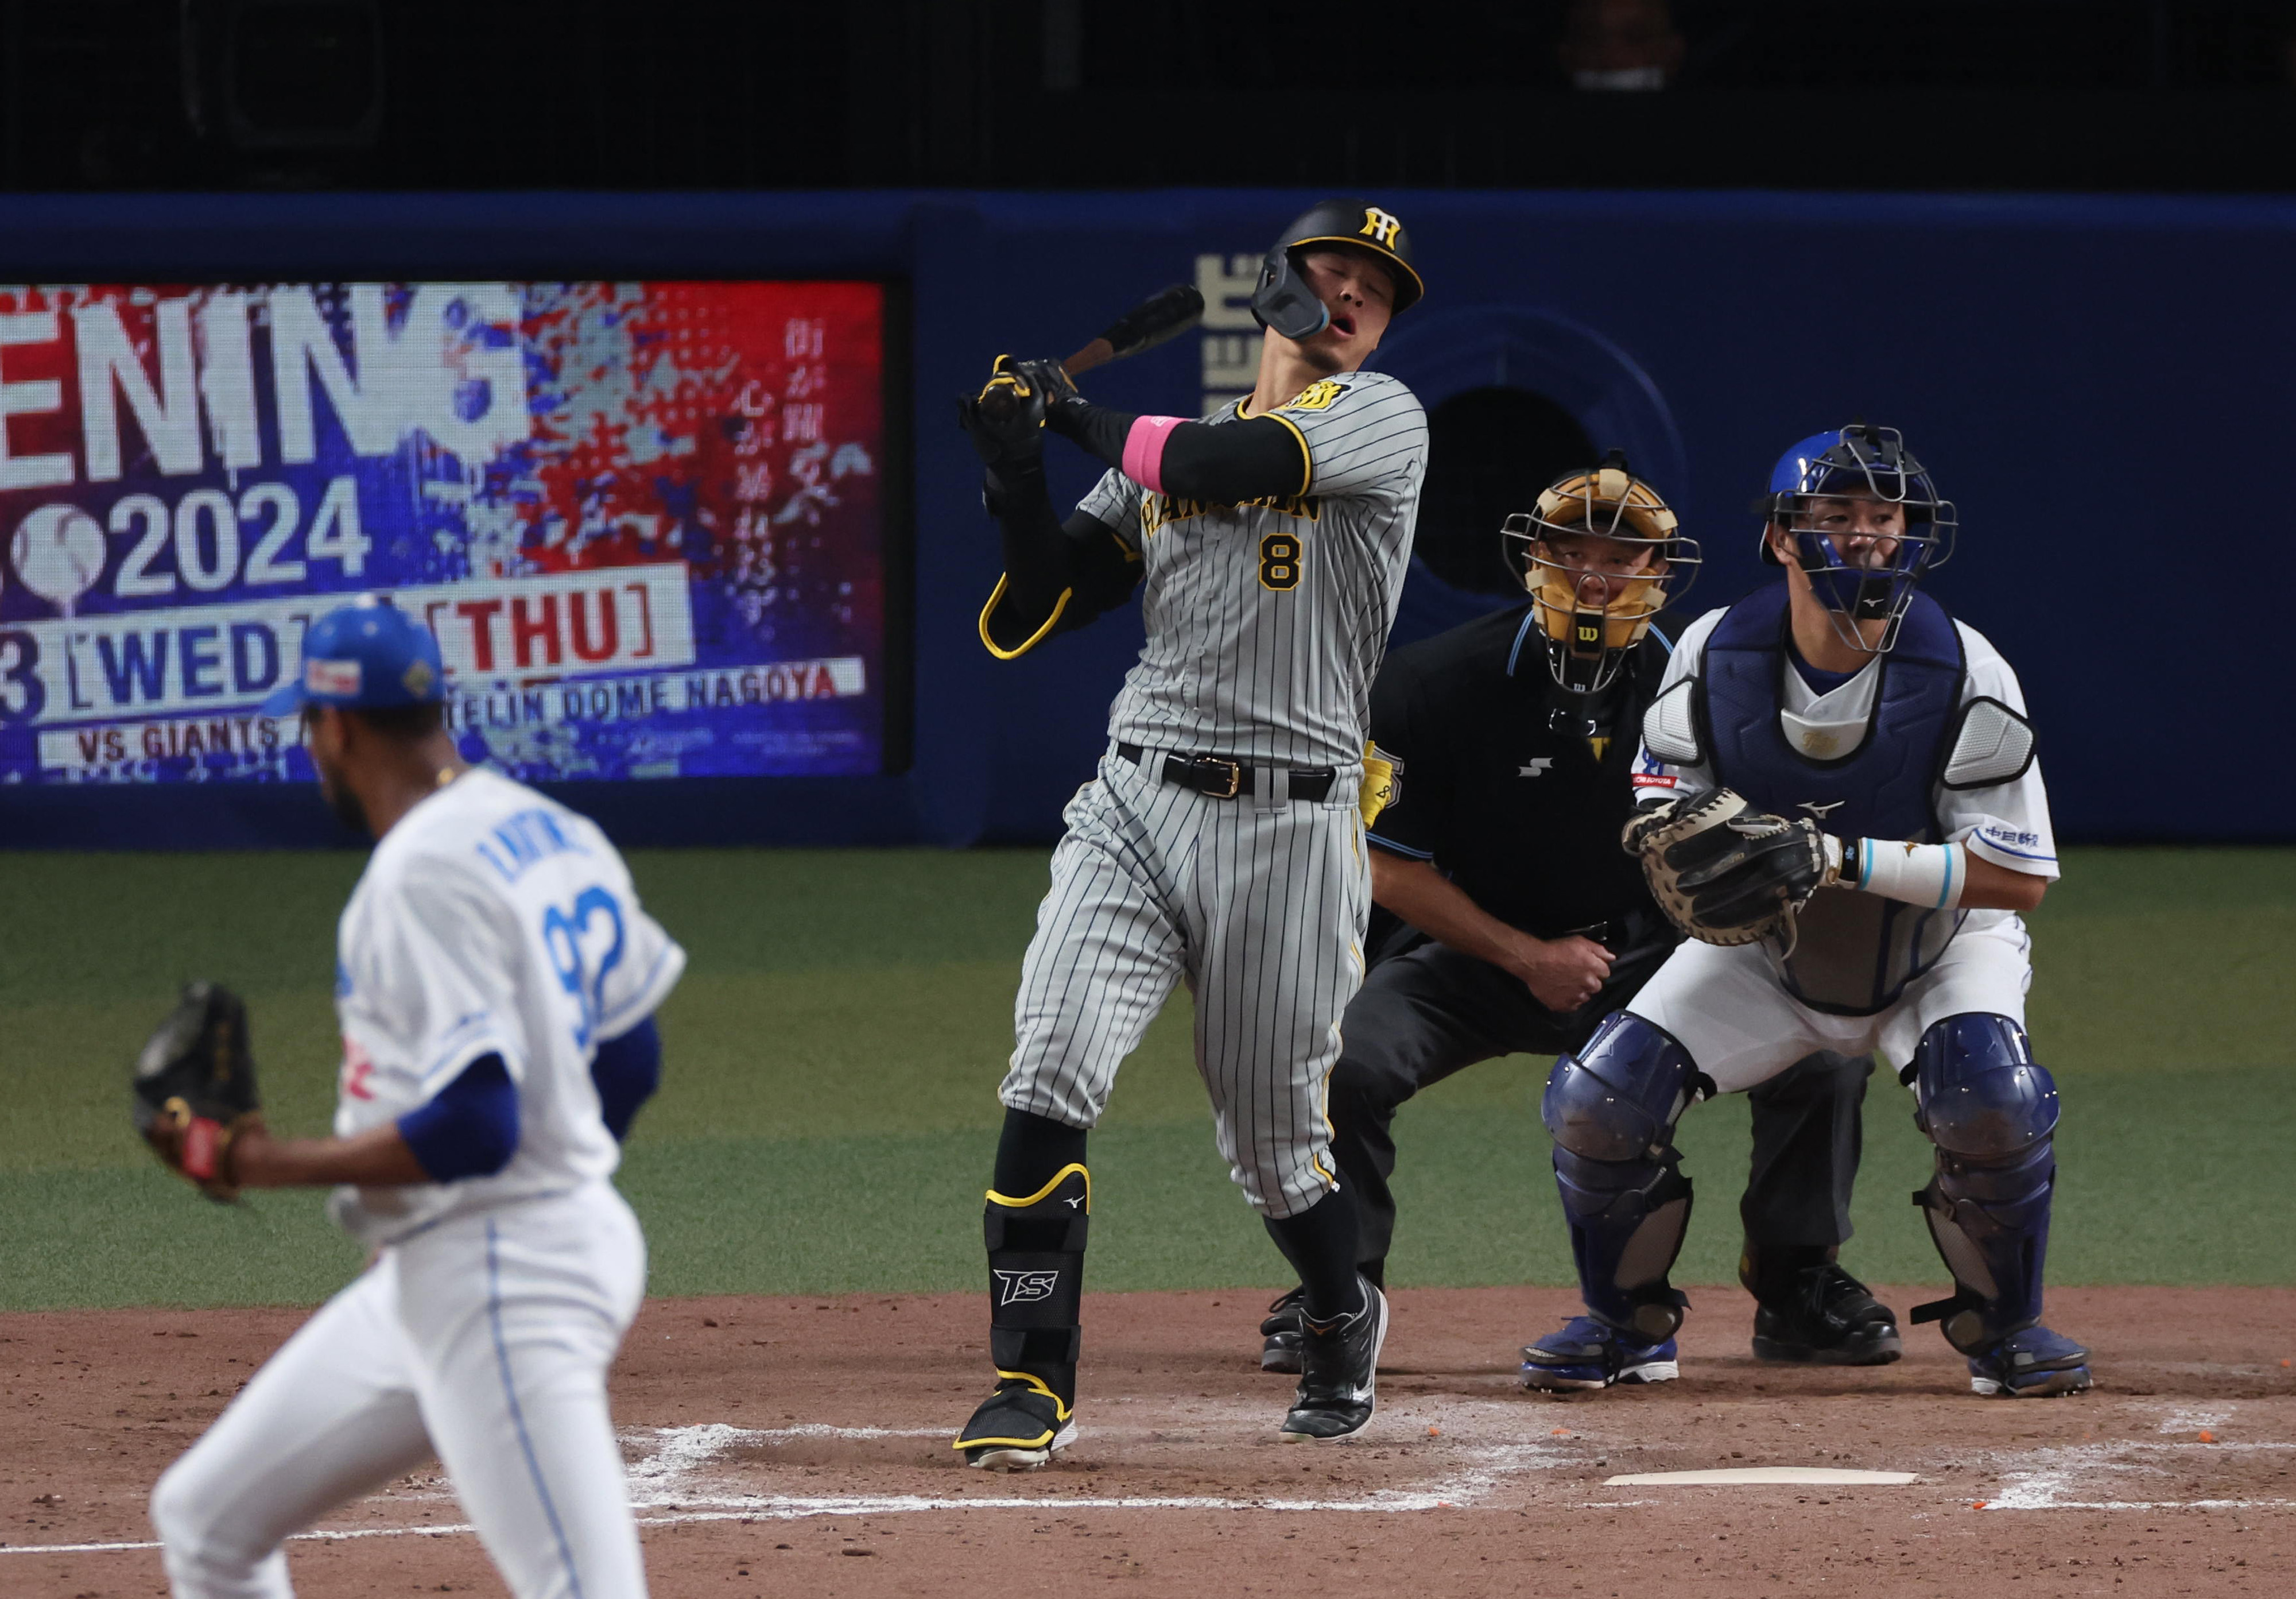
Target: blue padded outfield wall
2103	385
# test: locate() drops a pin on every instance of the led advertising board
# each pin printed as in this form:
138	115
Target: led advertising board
645	520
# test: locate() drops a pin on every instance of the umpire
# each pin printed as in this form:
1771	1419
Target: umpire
1513	922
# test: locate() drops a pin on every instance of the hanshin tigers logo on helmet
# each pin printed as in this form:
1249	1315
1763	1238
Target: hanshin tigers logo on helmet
1381	226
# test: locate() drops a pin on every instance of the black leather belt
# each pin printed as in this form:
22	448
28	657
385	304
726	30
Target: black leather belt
1219	778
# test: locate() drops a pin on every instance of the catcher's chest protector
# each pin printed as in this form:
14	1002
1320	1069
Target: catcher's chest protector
1855	952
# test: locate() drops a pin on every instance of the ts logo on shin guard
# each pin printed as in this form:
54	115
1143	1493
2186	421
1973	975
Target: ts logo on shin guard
1025	1287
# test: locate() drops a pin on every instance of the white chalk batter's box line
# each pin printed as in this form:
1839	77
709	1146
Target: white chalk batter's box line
2035	1481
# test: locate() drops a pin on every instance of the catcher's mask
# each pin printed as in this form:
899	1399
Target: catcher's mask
1594	601
1875	583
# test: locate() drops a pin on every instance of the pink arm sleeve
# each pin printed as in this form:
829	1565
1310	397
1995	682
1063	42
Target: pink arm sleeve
1144	450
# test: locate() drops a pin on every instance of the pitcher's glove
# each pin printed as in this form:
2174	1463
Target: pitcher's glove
1725	873
194	1087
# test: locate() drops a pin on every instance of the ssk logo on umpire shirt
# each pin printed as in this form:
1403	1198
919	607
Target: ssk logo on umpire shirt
1025	1287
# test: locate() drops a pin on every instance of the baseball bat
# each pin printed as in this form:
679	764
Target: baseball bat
1153	320
1158	317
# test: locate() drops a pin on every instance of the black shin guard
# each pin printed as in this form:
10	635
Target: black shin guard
1034	1226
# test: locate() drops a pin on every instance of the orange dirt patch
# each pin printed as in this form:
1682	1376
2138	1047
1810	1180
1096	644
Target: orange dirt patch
799	1445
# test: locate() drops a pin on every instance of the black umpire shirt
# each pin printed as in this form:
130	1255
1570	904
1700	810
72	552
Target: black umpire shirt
1522	816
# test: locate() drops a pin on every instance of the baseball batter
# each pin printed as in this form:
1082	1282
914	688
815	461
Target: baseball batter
1220	843
496	984
1884	915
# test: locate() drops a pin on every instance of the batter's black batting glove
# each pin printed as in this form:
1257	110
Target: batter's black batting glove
1005	420
1050	379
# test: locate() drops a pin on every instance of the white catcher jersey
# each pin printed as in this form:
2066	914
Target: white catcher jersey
490	921
2007	823
1268	620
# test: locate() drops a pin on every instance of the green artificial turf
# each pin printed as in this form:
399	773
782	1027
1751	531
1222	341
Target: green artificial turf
829	1114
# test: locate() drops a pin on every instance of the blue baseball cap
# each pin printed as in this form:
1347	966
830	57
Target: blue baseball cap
365	656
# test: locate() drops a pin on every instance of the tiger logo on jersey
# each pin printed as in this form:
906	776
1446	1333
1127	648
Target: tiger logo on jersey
1316	395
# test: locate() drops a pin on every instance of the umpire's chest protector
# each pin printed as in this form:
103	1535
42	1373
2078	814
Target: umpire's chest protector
1855	952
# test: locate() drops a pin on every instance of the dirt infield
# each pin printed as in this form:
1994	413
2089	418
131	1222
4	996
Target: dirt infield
783	1447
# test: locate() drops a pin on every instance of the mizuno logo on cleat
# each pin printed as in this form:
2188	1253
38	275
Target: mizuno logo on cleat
1025	1287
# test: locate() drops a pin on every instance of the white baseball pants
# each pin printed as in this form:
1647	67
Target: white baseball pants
1725	1005
484	1342
1258	903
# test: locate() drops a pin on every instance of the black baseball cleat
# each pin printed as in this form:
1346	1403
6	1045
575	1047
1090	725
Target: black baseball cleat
1018	1428
1339	1373
1281	1329
1826	1318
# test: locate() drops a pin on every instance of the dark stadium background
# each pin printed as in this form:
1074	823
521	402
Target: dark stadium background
2044	236
2104	96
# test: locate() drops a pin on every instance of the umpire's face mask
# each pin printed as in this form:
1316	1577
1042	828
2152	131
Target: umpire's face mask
322	738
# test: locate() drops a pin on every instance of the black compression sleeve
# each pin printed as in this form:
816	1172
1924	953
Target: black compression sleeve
1256	460
1036	550
1253	460
1100	429
1057	576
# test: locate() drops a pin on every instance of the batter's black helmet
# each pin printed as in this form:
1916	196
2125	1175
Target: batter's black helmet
1284	302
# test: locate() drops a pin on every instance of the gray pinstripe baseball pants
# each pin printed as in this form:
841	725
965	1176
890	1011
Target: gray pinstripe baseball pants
1258	906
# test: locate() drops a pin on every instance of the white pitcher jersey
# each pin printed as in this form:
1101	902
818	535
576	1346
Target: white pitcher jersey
490	921
1267	620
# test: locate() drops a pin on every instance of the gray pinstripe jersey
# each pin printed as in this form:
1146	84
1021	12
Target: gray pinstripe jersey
1268	620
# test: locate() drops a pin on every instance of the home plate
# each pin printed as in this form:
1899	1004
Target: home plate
1813	1476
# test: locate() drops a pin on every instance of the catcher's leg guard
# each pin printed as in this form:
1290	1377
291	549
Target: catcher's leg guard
1990	1109
1611	1109
1035	1291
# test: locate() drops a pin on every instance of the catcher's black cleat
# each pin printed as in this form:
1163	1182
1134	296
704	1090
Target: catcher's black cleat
1827	1318
1018	1428
1281	1351
1339	1373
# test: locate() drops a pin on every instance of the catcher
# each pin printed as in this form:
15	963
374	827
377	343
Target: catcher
1507	922
1845	815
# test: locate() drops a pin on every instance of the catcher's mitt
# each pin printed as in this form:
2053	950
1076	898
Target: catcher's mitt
194	1087
1725	873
